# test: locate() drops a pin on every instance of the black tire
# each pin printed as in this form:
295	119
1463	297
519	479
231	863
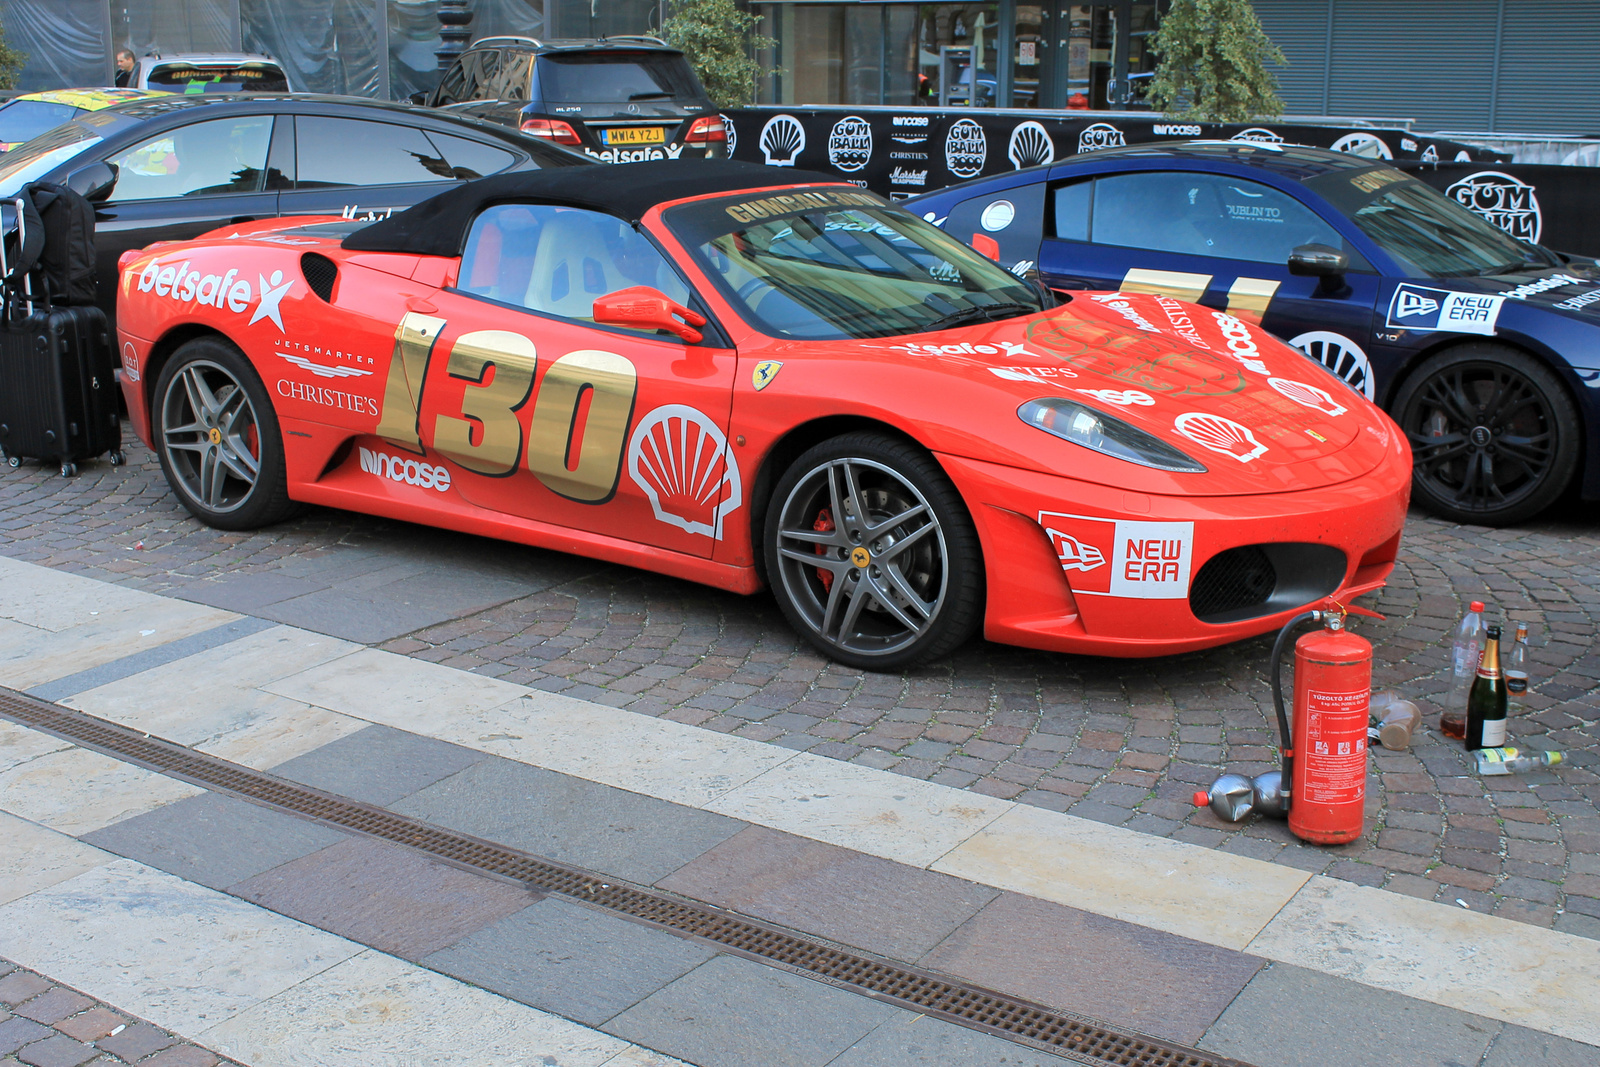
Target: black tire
915	589
217	438
1494	435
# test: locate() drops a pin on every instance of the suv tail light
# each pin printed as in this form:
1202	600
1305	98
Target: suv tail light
706	129
551	130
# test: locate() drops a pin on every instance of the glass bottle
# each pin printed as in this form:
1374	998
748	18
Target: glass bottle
1513	760
1465	647
1517	672
1486	703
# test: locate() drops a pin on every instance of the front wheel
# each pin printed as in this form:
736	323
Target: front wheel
872	555
1494	437
217	437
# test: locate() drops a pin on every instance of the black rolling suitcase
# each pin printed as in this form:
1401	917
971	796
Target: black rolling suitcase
58	395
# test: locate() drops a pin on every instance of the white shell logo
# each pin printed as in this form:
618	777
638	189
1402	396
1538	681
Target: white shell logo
1100	135
1501	199
1309	396
1219	435
679	457
966	149
782	139
1363	144
998	215
1340	355
1030	146
850	143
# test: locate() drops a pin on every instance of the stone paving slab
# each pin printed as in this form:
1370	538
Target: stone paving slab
730	1012
876	904
391	898
1291	1017
923	1041
583	963
378	765
1114	740
634	837
1127	975
212	839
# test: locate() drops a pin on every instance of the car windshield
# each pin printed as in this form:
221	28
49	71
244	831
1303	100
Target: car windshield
1427	233
23	120
210	78
600	78
31	161
825	264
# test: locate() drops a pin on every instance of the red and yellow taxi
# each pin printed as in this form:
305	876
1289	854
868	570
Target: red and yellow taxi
759	379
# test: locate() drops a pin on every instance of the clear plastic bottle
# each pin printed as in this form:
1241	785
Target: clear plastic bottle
1516	668
1513	760
1465	649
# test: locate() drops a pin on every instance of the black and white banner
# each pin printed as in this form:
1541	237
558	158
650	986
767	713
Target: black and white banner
1549	205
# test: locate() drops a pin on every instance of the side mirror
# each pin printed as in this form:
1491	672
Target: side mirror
419	97
1318	261
93	182
644	308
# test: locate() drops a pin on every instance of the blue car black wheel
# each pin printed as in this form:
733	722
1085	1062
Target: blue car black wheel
1494	435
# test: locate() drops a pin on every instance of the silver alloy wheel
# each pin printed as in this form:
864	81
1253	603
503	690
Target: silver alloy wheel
862	556
209	434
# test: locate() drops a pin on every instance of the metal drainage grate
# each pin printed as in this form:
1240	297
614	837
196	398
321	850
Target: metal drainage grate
976	1008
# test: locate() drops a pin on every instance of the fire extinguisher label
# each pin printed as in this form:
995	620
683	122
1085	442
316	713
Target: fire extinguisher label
1334	749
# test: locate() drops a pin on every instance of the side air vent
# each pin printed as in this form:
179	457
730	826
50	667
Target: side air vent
1250	581
321	272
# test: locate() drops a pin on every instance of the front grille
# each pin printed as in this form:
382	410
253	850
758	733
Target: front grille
942	996
1238	578
321	272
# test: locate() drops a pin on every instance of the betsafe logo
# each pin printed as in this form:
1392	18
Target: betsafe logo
180	284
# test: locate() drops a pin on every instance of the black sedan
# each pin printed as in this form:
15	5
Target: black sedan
172	167
1485	349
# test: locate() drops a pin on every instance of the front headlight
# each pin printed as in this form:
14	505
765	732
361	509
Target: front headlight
1096	430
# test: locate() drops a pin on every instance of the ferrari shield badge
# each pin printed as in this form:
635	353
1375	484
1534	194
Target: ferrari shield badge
765	371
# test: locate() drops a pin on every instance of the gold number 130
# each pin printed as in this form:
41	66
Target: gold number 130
574	452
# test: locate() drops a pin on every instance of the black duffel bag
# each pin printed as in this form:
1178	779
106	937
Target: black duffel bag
58	249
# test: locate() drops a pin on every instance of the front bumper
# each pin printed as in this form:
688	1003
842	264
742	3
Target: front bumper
1077	567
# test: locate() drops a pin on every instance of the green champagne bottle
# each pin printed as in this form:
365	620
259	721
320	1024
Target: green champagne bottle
1486	703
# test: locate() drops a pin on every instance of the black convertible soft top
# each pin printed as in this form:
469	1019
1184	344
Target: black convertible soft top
438	226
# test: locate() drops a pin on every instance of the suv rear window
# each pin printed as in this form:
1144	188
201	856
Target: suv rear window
608	78
238	78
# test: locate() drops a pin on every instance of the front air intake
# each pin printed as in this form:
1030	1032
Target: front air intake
1255	580
320	273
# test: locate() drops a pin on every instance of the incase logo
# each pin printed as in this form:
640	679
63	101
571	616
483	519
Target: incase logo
400	469
1176	130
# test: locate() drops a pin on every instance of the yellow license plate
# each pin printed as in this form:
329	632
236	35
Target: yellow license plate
636	135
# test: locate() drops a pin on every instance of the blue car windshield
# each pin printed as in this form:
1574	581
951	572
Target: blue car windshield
1425	232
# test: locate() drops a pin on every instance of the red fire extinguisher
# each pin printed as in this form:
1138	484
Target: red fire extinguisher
1325	754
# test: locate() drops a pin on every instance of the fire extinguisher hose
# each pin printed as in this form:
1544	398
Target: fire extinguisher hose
1285	740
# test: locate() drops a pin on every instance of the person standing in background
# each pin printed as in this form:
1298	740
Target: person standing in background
124	67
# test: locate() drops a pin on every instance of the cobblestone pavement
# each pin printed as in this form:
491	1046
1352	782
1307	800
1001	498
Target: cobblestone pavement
44	1024
1120	741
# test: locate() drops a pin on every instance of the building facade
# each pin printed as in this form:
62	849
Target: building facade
1509	65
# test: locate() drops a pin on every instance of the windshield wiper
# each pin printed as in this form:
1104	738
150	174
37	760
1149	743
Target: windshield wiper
654	95
981	313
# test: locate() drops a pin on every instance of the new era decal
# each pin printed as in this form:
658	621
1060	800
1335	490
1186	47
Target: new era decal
1417	307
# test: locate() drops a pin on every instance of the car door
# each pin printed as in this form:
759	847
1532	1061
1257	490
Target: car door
1219	240
362	168
181	182
545	415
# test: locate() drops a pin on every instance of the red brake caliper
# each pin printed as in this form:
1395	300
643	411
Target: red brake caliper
824	524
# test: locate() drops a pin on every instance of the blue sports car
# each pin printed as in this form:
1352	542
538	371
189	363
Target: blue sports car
1484	348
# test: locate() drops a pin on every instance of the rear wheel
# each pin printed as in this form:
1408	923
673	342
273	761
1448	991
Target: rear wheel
1494	436
217	437
872	555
